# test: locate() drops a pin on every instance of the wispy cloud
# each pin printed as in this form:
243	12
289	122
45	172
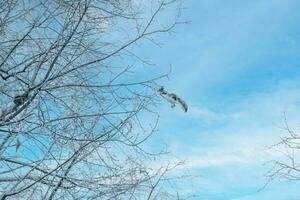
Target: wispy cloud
203	113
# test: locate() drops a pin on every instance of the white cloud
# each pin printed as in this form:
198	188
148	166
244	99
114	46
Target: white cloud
205	114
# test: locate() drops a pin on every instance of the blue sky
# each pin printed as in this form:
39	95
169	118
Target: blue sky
237	64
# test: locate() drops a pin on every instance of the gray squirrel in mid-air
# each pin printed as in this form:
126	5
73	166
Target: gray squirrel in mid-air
172	98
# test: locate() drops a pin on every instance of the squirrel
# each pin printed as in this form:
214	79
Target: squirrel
172	98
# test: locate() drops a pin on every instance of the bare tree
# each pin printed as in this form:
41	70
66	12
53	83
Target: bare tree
72	120
287	163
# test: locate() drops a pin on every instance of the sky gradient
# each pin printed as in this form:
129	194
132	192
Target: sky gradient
237	65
